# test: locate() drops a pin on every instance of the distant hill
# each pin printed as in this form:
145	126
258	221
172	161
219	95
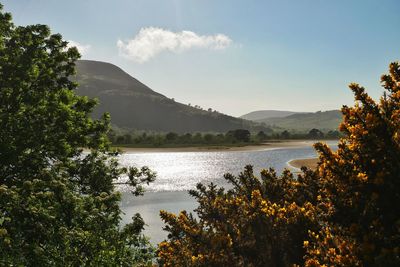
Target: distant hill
325	121
133	105
266	114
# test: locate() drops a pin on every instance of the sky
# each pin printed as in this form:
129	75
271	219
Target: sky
230	55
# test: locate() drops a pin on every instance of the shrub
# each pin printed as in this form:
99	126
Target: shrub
344	213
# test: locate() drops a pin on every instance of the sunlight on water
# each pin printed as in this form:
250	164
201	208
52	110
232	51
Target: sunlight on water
178	171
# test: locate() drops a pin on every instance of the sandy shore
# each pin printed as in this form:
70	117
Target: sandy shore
261	147
298	163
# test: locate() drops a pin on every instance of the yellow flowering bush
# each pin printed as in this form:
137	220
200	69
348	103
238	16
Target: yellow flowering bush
253	224
344	213
361	181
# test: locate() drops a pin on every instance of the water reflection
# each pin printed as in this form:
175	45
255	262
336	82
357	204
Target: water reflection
177	171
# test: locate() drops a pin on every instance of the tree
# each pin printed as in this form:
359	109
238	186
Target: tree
58	205
186	138
112	136
344	213
171	136
208	138
285	134
120	139
315	134
128	139
261	136
197	138
333	134
241	135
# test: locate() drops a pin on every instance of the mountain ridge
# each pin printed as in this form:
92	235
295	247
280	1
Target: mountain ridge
301	122
269	113
135	106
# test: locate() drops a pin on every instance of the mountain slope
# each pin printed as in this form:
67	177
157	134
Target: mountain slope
266	114
133	105
326	120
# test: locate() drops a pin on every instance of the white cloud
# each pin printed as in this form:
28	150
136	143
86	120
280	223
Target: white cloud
151	41
83	49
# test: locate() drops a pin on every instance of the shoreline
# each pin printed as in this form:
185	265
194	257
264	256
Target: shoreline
298	163
261	147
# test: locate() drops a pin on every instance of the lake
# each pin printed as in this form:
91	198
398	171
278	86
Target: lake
177	172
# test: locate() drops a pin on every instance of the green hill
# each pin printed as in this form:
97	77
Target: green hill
301	122
265	114
135	106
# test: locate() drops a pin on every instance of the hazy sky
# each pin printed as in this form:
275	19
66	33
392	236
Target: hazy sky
233	56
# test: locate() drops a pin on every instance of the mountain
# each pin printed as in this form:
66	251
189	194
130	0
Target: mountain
301	122
133	105
266	114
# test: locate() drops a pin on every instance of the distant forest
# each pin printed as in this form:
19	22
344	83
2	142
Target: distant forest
234	137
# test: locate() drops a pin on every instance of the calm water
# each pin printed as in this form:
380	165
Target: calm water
178	172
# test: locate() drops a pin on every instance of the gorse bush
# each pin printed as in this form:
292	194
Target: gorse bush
360	183
58	205
344	213
257	223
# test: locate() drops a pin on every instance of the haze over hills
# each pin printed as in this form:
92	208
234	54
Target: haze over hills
265	114
133	105
301	122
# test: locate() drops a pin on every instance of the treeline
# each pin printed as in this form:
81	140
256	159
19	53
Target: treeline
312	134
231	137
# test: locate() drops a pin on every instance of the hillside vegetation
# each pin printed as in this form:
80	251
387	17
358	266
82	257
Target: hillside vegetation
302	122
133	105
266	114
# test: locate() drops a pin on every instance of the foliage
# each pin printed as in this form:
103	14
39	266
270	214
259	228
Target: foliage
240	135
172	138
58	204
362	181
285	135
304	122
261	136
344	213
253	224
184	139
315	133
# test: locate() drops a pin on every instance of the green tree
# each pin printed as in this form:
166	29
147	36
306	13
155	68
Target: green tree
171	137
333	134
186	138
315	134
58	205
240	135
128	139
120	139
208	138
285	134
261	136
